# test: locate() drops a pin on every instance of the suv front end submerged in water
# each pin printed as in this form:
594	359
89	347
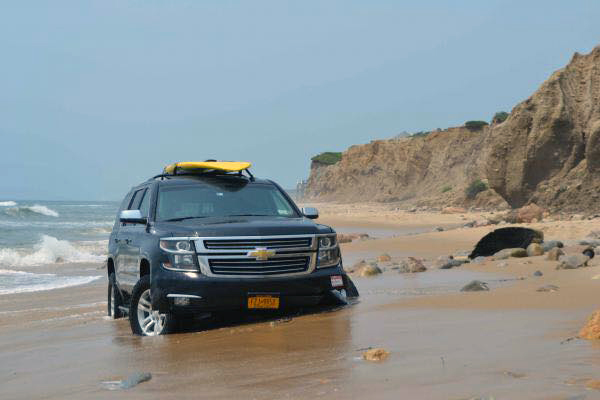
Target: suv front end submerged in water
191	243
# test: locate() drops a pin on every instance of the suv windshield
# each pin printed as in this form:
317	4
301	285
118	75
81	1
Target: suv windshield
202	201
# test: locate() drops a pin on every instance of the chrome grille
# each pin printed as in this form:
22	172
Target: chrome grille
251	244
248	266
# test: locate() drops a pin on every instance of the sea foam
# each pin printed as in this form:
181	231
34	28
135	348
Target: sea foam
8	203
23	211
49	250
26	282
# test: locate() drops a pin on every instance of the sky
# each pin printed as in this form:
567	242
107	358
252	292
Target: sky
97	96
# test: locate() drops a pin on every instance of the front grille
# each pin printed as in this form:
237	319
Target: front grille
251	244
246	266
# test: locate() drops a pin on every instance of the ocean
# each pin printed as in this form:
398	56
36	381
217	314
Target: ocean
52	244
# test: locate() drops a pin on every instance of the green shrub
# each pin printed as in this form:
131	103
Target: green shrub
475	187
327	158
475	125
420	134
446	189
499	117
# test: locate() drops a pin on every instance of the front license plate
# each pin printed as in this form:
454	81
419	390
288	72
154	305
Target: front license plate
337	281
271	302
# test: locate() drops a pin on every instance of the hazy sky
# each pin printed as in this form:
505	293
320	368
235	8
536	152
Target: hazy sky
96	96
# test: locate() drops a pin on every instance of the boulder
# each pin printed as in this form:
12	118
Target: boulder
572	261
550	244
444	262
375	355
554	254
529	213
370	270
475	286
506	238
535	249
384	258
411	265
591	330
357	266
507	253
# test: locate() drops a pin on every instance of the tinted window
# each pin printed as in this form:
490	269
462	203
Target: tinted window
145	204
137	198
202	201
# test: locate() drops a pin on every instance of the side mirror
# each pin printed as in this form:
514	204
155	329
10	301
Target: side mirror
310	212
132	217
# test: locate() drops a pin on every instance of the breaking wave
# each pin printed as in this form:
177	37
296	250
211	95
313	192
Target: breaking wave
50	250
23	211
26	282
8	203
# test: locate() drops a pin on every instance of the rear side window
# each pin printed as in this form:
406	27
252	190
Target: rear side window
145	204
137	199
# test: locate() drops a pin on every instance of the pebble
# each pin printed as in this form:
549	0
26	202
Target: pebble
547	288
375	354
538	273
475	286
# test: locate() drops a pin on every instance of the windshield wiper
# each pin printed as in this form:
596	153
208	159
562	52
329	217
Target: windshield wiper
180	219
250	215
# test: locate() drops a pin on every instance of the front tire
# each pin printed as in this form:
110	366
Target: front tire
143	319
114	299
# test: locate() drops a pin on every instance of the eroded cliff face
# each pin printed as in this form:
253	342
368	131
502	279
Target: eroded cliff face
547	152
430	170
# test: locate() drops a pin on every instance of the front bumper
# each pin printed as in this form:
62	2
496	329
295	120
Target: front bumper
219	294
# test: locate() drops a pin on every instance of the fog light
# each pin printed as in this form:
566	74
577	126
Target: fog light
181	301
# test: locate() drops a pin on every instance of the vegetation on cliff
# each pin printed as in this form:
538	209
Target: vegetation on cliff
327	158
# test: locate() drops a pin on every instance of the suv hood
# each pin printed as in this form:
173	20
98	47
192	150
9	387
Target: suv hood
241	226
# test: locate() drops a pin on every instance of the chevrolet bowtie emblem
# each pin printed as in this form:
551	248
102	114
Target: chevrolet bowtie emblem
261	253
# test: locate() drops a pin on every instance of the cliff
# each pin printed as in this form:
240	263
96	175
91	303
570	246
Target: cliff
546	152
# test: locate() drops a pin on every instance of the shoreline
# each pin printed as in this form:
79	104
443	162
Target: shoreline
443	343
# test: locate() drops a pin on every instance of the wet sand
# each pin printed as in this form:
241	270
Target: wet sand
508	343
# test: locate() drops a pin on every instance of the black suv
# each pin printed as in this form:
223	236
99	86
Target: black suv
190	244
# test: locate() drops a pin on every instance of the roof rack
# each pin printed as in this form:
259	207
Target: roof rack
208	167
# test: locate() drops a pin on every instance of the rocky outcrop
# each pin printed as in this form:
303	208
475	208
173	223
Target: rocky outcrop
546	152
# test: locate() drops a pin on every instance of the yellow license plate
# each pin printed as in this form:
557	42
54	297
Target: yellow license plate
263	302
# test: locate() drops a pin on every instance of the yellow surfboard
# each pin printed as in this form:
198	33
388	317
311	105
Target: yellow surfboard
227	166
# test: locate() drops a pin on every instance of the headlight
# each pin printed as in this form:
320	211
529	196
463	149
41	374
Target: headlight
181	253
328	254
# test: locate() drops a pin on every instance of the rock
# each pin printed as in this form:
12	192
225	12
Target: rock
538	273
590	242
529	213
475	286
59	260
503	264
506	238
411	265
547	288
444	262
469	224
591	330
589	252
593	384
439	229
375	355
507	253
535	249
384	258
453	210
516	375
369	270
554	254
349	237
357	266
573	261
478	260
550	244
131	381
